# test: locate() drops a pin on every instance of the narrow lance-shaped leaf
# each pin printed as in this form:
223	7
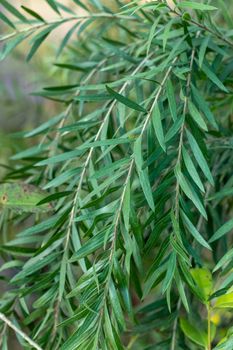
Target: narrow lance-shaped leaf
157	123
53	5
196	6
184	184
212	76
143	176
171	99
33	13
197	116
35	46
192	229
203	106
199	157
6	20
129	103
227	227
171	266
13	10
191	169
202	50
224	260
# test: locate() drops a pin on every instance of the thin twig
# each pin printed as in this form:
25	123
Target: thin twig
18	331
200	25
158	94
64	20
177	190
118	214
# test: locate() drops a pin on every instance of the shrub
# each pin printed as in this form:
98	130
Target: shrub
126	193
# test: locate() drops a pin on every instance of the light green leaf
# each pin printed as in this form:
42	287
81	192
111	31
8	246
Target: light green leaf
198	336
204	282
45	126
23	197
224	301
196	6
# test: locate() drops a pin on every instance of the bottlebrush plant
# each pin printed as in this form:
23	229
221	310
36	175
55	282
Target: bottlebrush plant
134	251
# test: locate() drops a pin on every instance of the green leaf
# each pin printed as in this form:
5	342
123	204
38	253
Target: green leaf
200	158
198	336
13	10
224	301
152	34
45	126
110	168
60	157
54	196
36	45
191	169
224	260
91	245
197	116
192	229
157	124
22	197
62	178
202	104
65	41
202	50
142	173
188	190
181	291
129	103
53	5
227	227
212	76
6	20
204	282
196	6
171	266
32	13
171	99
11	45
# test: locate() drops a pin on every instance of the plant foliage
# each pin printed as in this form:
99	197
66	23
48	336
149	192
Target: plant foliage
136	252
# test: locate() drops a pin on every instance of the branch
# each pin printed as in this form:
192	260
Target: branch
183	127
177	190
18	331
200	25
64	20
